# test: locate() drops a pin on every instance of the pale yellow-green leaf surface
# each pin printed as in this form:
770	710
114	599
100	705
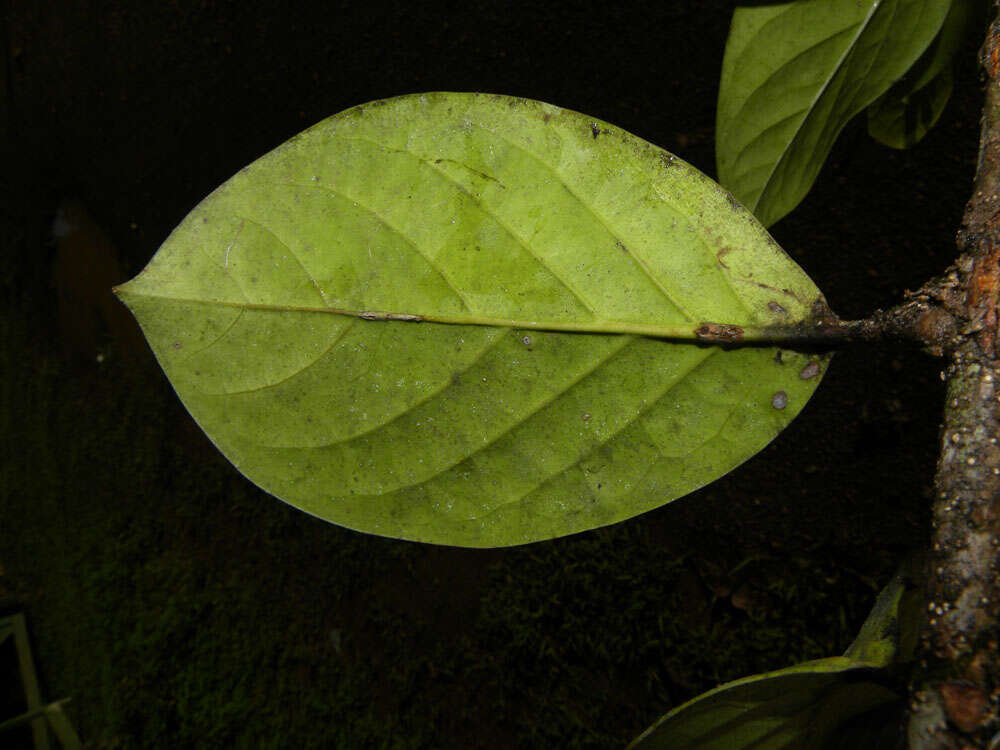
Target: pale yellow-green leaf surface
471	319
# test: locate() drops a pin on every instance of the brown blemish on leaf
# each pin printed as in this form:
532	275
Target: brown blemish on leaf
786	292
595	130
720	254
776	308
477	172
546	117
719	332
820	310
376	315
811	370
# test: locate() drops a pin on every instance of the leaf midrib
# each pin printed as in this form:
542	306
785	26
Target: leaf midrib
683	331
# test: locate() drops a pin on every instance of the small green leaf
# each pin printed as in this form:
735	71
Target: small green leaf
901	121
903	114
794	74
888	635
797	707
817	704
557	264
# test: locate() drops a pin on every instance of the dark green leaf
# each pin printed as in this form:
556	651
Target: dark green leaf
561	268
794	74
903	114
815	704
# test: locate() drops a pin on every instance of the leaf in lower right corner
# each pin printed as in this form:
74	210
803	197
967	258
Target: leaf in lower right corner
842	701
798	707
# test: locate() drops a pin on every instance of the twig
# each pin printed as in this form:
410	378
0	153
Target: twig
955	693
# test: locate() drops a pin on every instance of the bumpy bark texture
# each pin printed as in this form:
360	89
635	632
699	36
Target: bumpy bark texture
955	701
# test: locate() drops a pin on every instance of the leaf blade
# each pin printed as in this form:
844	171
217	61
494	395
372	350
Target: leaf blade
904	114
794	74
474	432
818	703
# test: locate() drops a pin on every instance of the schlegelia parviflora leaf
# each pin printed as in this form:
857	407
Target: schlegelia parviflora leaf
794	74
476	320
907	111
841	701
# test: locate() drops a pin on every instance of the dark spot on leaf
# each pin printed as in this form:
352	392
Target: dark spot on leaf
722	252
546	117
526	340
777	357
720	332
811	370
669	160
177	345
775	307
779	400
595	130
621	246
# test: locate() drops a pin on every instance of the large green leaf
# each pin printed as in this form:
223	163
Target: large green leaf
903	114
794	74
831	703
551	259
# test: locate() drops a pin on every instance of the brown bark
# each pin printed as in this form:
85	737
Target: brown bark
955	693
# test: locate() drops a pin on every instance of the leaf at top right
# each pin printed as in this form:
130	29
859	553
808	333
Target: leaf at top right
794	74
907	111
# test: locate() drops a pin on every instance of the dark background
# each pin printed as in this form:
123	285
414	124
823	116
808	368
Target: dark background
181	606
